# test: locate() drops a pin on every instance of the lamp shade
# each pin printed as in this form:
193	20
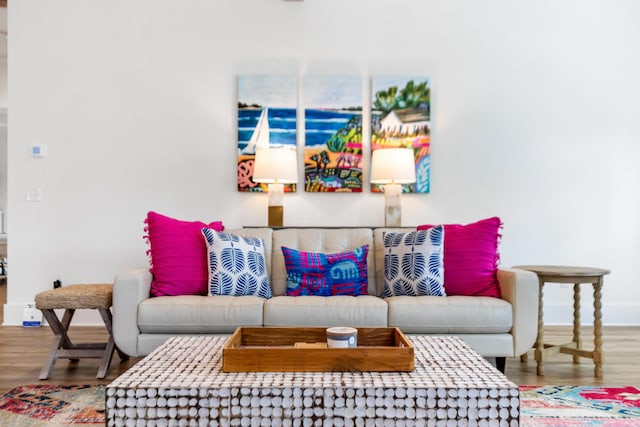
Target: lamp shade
393	166
275	165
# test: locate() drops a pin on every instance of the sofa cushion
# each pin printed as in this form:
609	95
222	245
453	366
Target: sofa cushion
340	310
450	315
314	273
177	255
323	240
197	314
237	265
413	263
471	257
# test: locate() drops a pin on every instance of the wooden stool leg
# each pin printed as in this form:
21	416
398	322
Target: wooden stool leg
60	339
106	359
107	318
110	347
66	322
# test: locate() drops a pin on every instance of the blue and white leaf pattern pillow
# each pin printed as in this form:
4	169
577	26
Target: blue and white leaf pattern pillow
413	263
237	265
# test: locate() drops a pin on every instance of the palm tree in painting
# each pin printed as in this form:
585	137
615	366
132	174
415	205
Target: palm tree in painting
385	99
411	96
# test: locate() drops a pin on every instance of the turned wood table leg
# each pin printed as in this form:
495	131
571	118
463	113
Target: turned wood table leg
576	320
597	327
539	352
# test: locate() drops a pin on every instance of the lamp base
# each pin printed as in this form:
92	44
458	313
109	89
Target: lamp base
393	217
276	214
392	205
276	209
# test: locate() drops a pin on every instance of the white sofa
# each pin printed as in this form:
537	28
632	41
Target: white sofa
494	327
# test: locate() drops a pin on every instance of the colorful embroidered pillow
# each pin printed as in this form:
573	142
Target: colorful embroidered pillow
237	265
471	257
413	263
177	255
341	273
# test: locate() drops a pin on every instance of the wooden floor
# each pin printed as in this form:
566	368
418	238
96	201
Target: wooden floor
22	351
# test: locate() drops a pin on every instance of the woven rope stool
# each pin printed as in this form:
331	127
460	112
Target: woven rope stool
71	298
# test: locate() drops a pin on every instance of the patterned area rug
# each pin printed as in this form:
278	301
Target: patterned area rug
550	406
579	406
53	405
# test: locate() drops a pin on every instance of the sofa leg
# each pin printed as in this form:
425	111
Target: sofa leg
501	363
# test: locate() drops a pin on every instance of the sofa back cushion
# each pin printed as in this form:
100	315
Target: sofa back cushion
324	240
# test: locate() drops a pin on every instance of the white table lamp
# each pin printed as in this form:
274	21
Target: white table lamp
275	167
392	167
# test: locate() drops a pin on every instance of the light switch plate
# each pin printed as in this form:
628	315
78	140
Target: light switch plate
34	194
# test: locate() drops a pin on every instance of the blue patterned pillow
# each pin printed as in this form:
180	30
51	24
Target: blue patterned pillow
236	265
340	273
413	263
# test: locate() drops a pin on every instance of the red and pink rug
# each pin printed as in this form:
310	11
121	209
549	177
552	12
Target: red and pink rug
579	406
53	406
549	406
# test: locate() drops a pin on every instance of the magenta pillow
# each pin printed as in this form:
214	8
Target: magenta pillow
178	255
471	257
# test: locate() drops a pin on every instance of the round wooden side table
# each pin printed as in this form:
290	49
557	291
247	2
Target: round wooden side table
575	275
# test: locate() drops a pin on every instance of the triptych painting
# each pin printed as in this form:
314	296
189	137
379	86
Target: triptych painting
332	126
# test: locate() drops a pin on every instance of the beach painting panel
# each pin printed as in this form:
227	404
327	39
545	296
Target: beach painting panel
333	133
401	117
266	118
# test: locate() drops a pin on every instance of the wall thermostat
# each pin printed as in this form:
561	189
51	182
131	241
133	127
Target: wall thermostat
39	150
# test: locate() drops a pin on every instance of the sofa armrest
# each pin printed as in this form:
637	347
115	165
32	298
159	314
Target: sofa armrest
520	288
129	289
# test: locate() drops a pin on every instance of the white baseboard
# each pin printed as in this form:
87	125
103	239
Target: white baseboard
612	315
13	316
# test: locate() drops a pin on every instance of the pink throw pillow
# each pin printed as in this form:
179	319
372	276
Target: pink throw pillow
471	257
178	255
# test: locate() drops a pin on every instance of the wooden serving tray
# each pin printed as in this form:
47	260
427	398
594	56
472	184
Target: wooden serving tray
279	349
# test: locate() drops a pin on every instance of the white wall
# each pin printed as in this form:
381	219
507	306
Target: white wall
3	114
3	129
535	106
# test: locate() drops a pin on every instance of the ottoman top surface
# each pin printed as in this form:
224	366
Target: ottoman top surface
89	296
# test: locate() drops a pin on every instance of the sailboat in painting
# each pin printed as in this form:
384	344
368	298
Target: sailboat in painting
260	136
